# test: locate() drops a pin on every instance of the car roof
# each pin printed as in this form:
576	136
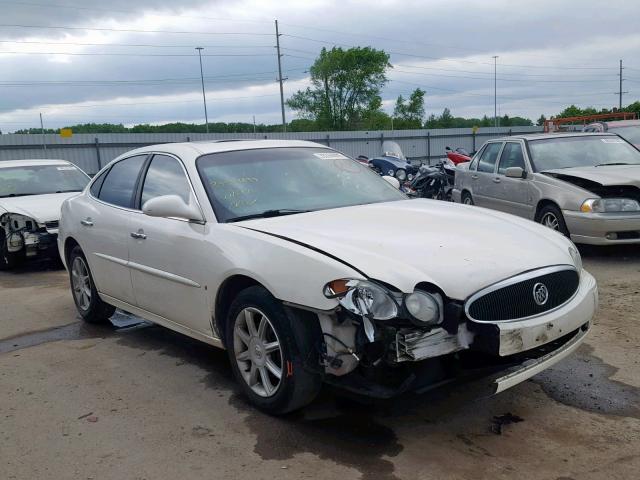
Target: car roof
32	162
543	136
195	149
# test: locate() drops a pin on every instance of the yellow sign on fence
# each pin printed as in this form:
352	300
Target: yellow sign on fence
66	132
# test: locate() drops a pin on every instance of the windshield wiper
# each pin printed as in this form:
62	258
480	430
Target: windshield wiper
18	195
614	163
268	213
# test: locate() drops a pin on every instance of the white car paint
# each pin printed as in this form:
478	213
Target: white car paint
173	276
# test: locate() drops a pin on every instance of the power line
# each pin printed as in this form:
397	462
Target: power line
83	44
131	30
99	54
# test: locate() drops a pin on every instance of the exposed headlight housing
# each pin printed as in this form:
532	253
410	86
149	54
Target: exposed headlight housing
608	205
364	298
425	308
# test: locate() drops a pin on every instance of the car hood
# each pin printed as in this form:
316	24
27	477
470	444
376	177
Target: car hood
605	175
459	248
42	208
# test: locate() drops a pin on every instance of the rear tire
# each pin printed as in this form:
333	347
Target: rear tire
88	303
467	199
550	216
270	352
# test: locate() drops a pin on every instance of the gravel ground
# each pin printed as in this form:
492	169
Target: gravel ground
145	403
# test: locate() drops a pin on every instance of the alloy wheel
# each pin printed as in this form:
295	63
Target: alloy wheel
551	221
81	282
257	351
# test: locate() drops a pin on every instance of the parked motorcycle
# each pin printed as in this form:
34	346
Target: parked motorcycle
459	155
434	181
393	163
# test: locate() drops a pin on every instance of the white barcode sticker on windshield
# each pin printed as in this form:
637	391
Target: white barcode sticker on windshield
612	140
331	156
65	168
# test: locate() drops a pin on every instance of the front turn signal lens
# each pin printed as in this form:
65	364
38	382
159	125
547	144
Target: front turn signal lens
336	288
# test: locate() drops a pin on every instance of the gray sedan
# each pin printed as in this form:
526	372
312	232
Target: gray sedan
586	186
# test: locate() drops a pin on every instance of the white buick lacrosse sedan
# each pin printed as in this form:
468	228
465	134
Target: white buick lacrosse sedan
309	268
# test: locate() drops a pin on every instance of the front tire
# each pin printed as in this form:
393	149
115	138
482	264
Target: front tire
268	351
88	303
467	199
550	216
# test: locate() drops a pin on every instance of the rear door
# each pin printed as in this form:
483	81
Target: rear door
512	195
482	180
105	227
168	266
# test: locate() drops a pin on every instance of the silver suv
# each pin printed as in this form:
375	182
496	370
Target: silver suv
585	185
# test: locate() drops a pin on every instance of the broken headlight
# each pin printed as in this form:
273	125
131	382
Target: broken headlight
606	205
425	308
363	297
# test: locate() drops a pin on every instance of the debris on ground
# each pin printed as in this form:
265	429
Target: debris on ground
500	421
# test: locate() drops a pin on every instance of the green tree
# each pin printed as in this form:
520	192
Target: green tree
541	120
409	114
345	87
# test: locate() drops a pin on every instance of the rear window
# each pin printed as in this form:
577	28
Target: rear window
631	134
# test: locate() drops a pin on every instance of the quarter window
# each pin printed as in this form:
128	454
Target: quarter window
119	185
165	177
488	158
97	183
511	157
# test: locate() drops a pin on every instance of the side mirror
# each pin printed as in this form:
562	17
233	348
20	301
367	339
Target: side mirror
392	180
172	206
515	172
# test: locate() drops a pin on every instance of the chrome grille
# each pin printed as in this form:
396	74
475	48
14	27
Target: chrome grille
525	295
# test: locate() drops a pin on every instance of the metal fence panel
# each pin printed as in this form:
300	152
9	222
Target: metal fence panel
91	151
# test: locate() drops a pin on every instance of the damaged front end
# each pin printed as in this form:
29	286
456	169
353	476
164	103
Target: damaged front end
381	342
26	238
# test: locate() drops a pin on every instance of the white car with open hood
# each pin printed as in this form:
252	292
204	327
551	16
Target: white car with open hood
31	194
308	268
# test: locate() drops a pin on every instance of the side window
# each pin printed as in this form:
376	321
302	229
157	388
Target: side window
97	183
119	184
488	158
474	162
511	157
165	176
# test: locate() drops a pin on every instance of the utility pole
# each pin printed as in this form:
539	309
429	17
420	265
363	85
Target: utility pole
495	90
280	79
620	92
44	145
204	97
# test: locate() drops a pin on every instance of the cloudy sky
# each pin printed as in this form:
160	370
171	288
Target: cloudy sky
134	62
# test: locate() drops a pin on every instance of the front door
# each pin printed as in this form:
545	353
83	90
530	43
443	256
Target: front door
168	268
511	194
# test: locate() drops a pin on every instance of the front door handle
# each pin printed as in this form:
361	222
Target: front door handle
474	177
138	235
87	222
496	180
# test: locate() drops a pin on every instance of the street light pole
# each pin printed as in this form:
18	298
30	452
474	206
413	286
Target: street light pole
204	97
495	90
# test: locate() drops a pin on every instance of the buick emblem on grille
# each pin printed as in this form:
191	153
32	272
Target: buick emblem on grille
540	293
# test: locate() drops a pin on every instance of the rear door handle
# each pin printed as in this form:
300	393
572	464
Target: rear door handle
474	177
138	235
496	180
87	222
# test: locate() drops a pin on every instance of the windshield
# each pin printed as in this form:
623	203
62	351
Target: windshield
392	149
581	151
631	133
41	179
288	180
